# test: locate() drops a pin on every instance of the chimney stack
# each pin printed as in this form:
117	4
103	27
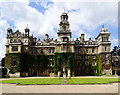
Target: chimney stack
82	37
46	36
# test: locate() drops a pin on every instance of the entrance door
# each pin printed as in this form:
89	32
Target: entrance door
113	72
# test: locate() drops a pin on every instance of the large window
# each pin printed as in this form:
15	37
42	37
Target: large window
53	50
64	39
41	51
78	50
64	48
35	51
105	48
86	50
93	50
104	39
49	50
14	48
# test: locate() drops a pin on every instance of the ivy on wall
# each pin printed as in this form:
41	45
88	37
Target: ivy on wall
99	66
34	62
9	59
25	62
63	59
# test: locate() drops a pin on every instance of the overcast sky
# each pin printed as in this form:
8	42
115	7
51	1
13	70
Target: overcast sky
44	17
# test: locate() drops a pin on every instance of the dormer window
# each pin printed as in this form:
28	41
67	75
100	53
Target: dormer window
17	35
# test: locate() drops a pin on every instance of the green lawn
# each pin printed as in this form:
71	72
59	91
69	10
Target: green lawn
34	81
92	80
59	81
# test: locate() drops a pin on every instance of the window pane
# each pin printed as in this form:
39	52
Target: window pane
49	50
42	51
14	48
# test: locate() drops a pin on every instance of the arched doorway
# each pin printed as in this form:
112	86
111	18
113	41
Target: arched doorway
14	63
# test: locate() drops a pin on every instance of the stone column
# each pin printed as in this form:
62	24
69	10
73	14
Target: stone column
115	72
59	74
69	75
64	74
8	70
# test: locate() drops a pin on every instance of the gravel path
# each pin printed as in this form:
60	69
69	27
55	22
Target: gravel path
103	88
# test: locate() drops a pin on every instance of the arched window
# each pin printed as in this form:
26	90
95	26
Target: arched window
17	35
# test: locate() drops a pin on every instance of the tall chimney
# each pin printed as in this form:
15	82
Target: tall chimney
46	36
82	37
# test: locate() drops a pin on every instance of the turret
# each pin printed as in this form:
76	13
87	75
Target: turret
64	31
64	17
9	31
103	29
27	31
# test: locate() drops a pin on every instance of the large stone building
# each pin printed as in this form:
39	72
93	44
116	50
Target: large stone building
66	57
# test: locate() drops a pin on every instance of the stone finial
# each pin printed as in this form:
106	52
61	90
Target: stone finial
9	30
90	38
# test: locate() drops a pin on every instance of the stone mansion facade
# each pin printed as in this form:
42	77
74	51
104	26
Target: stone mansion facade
83	52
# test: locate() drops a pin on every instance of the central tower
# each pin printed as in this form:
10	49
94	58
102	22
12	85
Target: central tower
64	33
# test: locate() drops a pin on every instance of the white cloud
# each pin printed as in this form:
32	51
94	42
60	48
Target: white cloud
114	42
3	27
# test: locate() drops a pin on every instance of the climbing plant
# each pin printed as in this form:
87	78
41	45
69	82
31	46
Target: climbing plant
90	60
99	66
66	59
37	63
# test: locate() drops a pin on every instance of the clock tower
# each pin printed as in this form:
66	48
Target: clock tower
64	33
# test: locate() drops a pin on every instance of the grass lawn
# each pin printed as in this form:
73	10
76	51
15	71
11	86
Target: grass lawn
59	81
92	80
34	81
